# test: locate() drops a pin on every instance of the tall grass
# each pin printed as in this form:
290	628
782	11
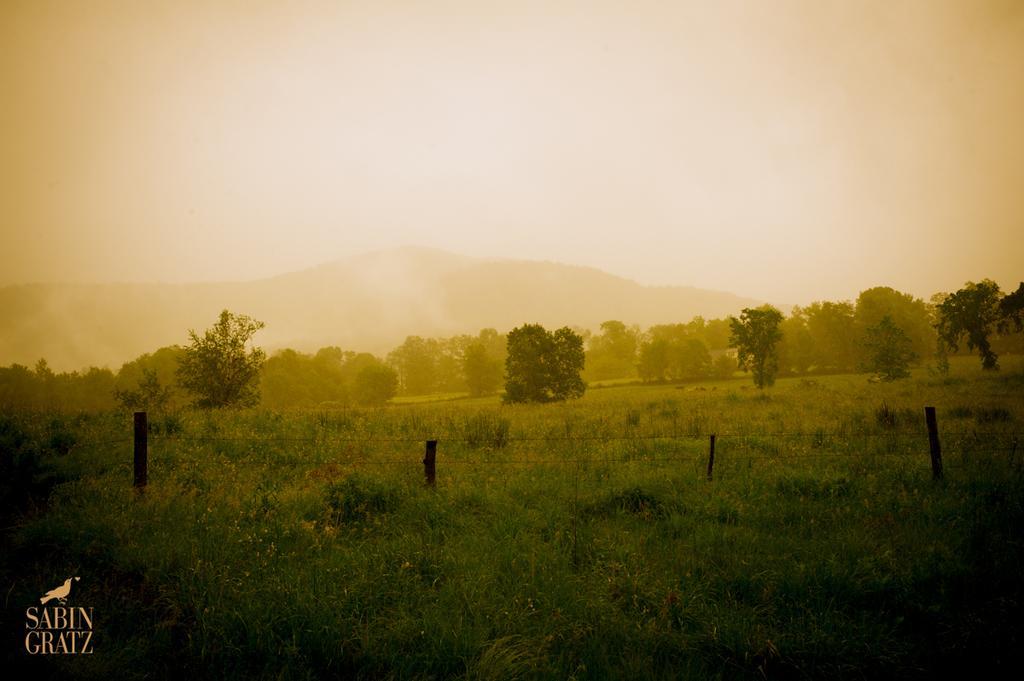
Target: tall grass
562	541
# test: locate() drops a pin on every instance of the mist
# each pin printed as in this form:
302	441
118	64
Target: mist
785	152
663	339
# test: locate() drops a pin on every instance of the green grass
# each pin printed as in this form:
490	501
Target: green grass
562	541
433	397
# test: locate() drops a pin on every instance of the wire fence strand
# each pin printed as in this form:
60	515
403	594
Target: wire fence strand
734	447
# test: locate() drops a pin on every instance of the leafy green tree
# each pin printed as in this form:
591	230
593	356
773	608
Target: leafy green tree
285	380
526	367
17	388
91	390
495	343
482	370
655	360
24	389
612	353
716	334
46	380
691	360
217	368
755	335
723	366
150	395
416	362
448	364
568	361
796	347
909	314
941	349
1011	309
972	312
674	352
890	351
542	366
163	364
833	335
375	384
292	379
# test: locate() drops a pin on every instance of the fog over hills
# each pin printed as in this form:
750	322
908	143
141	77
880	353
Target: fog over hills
368	302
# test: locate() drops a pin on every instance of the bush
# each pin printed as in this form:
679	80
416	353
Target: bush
19	466
60	440
357	498
635	500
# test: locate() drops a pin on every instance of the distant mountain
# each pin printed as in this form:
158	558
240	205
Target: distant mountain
369	302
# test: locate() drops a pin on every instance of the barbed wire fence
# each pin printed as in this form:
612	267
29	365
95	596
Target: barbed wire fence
727	447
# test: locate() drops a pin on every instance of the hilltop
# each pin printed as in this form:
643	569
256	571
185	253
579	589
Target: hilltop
365	302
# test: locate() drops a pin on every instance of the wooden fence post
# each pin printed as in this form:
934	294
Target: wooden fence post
141	450
711	458
933	442
429	460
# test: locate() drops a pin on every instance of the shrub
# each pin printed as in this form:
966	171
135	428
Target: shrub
635	500
358	498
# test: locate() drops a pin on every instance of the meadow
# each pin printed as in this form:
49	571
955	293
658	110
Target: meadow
579	540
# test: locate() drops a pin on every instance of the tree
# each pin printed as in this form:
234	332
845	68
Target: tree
716	334
654	360
973	311
754	335
796	347
22	388
833	335
941	350
612	353
416	362
292	379
161	389
1011	309
675	352
723	366
375	384
150	395
450	377
568	361
691	360
542	366
46	379
482	371
216	367
906	312
890	350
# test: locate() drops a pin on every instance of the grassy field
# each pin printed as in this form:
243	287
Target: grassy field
567	541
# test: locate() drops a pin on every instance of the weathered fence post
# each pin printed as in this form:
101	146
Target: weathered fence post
429	461
141	450
933	442
711	458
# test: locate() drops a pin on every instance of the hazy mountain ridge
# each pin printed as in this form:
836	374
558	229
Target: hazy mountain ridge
368	302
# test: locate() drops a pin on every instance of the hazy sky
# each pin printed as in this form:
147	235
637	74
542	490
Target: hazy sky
784	150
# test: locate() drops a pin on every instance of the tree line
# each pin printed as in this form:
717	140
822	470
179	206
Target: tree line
883	331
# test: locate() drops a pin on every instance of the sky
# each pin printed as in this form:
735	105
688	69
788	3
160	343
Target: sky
791	151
